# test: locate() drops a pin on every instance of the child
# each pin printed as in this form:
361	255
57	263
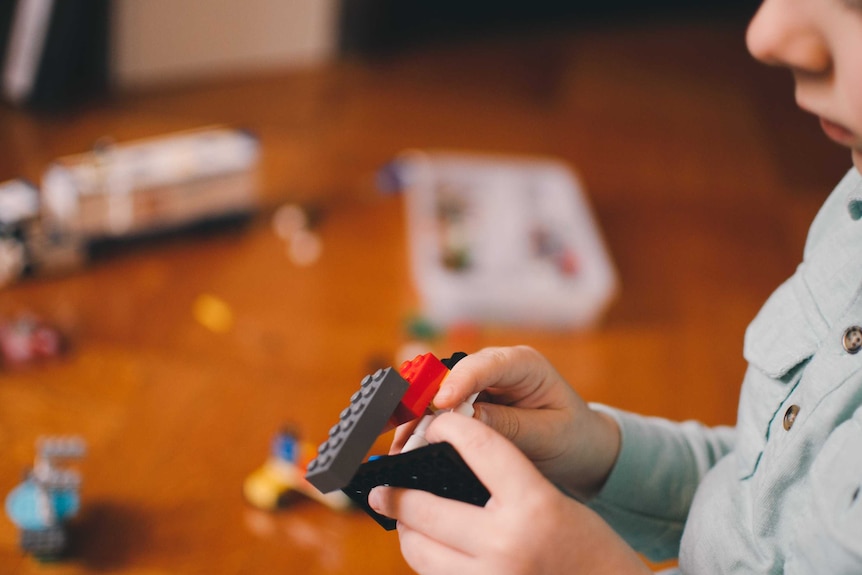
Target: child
779	493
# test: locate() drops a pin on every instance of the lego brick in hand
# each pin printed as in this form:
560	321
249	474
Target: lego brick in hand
358	427
450	361
436	468
425	373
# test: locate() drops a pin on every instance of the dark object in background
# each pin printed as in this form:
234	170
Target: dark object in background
379	27
57	51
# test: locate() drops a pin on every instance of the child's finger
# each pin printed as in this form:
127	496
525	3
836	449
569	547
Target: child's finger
500	466
430	557
498	367
449	522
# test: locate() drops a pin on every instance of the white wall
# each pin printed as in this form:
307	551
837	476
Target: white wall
167	41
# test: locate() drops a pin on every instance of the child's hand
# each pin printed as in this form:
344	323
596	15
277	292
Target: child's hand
528	402
527	526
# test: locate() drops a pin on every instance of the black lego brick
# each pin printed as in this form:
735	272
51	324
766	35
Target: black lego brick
436	468
358	427
450	361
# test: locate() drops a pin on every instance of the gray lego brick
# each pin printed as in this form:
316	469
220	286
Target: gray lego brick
358	427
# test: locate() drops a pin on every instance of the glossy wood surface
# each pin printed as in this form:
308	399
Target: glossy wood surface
702	174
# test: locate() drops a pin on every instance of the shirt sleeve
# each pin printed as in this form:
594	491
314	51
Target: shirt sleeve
650	489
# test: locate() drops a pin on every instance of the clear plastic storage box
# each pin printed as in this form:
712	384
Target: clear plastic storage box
505	240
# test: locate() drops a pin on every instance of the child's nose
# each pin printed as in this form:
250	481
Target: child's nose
784	37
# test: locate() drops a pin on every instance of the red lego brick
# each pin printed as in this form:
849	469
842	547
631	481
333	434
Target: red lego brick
424	373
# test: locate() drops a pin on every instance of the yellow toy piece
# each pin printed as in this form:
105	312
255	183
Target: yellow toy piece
271	485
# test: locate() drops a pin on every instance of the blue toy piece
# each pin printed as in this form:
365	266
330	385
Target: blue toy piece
24	505
47	499
285	446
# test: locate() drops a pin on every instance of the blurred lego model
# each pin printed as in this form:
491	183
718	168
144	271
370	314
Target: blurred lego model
385	400
122	193
48	498
149	186
270	486
27	339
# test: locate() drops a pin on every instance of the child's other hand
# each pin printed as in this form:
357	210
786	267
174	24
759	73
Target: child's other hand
528	526
528	402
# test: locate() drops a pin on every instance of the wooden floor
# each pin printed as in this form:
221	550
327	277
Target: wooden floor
703	175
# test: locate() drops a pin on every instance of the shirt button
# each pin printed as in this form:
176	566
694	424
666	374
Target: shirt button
852	339
790	416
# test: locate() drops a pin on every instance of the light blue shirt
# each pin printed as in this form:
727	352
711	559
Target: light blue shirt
781	492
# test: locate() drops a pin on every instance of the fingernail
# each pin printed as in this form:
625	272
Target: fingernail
443	396
374	499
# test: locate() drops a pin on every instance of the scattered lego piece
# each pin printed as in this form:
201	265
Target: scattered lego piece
304	248
270	486
389	179
358	427
213	313
289	219
294	225
48	498
436	468
418	327
26	339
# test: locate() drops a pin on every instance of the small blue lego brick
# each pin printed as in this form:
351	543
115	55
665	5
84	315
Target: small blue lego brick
436	468
285	446
358	427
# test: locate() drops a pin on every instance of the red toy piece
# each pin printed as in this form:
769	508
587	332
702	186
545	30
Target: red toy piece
424	373
372	411
27	339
